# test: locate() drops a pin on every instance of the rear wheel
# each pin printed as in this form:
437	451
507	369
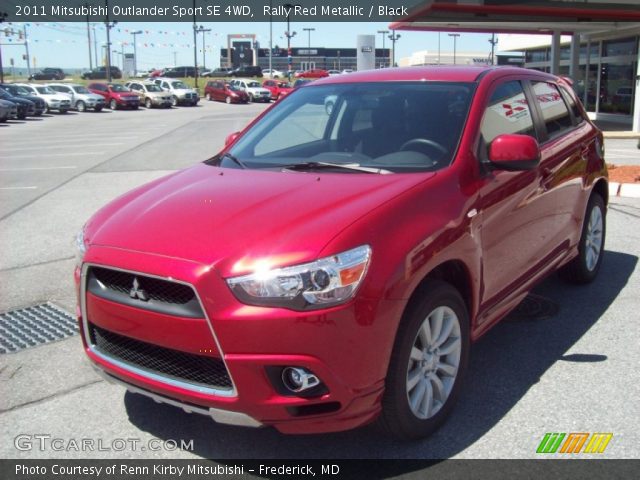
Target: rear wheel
584	268
80	106
208	96
147	103
428	363
113	105
228	100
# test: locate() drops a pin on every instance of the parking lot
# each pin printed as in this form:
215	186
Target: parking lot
572	372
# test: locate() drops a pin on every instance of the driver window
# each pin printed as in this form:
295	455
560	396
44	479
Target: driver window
508	112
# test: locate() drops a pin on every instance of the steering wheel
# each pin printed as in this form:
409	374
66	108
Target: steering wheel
424	141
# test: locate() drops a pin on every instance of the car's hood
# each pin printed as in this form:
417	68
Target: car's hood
183	90
258	90
90	96
229	218
55	96
124	94
158	94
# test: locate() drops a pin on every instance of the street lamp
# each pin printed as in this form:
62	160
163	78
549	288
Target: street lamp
394	38
383	33
204	45
135	53
455	37
109	25
309	30
289	34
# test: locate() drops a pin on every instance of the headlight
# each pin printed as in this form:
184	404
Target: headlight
81	247
320	284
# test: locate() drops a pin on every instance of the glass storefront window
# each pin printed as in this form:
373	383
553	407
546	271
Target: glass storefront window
627	46
617	88
591	87
541	55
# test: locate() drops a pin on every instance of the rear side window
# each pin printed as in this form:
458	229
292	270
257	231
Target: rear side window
508	112
573	106
554	111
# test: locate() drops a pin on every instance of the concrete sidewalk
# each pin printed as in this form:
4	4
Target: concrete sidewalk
616	130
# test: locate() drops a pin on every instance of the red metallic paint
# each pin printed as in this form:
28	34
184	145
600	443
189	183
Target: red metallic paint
222	221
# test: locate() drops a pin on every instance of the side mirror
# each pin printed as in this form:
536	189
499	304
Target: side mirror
514	152
231	138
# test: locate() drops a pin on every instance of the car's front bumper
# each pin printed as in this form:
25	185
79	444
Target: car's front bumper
342	346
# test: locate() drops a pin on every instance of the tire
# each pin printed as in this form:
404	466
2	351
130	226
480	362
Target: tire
251	99
147	103
113	105
174	101
228	100
80	106
584	268
208	96
419	371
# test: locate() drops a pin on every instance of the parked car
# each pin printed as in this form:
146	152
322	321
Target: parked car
156	73
180	72
273	73
39	104
24	107
115	95
48	74
54	100
222	91
278	89
253	88
347	70
8	110
100	73
218	72
246	71
315	73
150	94
333	72
301	82
326	271
180	93
81	97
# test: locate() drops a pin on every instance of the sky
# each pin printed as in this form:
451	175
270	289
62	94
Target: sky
65	45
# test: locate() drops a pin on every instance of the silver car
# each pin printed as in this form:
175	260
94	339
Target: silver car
55	100
81	98
180	93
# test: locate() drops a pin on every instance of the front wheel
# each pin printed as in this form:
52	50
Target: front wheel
584	268
80	106
228	100
147	103
428	363
174	101
207	96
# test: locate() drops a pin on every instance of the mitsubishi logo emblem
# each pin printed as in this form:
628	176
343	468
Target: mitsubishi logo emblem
137	292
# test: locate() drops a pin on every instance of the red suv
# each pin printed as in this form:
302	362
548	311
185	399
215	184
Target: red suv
277	88
222	91
116	95
327	269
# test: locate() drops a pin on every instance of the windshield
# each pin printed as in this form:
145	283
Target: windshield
15	90
153	88
80	89
234	87
179	85
284	85
46	90
116	87
253	85
397	126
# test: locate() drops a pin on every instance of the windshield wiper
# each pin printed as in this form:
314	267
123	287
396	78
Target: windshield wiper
347	166
233	158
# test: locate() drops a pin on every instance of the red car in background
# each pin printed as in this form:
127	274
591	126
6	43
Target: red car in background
316	73
223	92
327	269
116	95
277	88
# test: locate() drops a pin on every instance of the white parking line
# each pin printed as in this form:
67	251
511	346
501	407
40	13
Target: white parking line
76	154
20	169
18	188
48	146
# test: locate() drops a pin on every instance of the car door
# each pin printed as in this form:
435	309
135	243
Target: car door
514	216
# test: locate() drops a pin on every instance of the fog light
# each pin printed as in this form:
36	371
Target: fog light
299	379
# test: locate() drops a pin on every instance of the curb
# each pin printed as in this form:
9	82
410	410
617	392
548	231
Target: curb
613	134
629	190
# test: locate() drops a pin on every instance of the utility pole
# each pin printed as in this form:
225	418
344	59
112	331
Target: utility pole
195	44
455	37
135	53
289	35
270	39
95	44
26	47
394	38
109	26
439	48
309	30
493	41
175	59
384	34
89	42
204	44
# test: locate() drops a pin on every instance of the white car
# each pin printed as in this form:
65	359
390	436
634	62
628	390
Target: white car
347	70
273	73
180	93
81	98
54	100
256	92
333	72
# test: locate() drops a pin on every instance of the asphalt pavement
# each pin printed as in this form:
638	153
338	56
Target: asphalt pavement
573	372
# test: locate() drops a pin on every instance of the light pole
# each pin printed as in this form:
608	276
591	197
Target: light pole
394	38
195	45
493	41
204	45
455	37
109	26
309	30
135	53
89	42
384	34
289	34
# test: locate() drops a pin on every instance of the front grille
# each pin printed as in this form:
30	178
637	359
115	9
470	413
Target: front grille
181	366
161	290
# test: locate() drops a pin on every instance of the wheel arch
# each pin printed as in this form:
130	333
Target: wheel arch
601	187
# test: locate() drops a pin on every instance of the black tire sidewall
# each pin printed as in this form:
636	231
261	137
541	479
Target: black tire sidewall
584	273
400	419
